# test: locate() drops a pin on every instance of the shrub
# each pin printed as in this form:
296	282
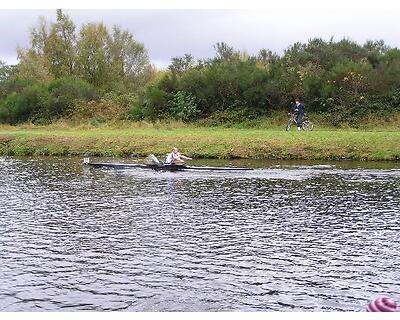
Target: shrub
97	111
184	107
63	93
155	102
20	107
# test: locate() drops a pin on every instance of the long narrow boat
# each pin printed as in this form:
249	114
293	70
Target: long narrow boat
159	167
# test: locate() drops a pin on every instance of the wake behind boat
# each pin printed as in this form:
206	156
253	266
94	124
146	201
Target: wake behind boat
152	162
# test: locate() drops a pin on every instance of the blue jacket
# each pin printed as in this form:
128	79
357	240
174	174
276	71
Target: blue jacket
299	109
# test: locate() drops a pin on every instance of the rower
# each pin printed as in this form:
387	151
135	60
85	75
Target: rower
175	157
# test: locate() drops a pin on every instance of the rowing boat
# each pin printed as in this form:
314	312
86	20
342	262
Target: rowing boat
159	167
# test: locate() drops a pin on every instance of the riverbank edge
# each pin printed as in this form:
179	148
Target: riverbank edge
203	143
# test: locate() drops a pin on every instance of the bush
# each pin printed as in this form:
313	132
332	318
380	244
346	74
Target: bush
154	103
97	111
21	107
343	81
63	93
184	107
216	86
229	118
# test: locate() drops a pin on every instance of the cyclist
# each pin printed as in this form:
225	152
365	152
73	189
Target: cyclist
298	109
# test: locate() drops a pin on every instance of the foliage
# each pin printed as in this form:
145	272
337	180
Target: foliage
155	104
130	60
110	108
59	46
98	111
19	107
43	103
93	57
62	93
225	83
66	66
33	67
184	107
63	68
338	78
181	64
7	72
111	61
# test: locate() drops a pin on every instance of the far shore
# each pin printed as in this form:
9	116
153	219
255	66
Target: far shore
200	142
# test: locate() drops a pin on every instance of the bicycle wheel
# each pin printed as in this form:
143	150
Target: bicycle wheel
289	125
307	125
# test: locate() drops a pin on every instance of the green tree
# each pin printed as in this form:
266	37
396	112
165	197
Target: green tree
33	63
33	67
6	73
267	57
180	65
129	59
60	46
224	52
94	55
39	36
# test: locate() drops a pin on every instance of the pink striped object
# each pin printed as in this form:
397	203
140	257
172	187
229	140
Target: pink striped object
382	304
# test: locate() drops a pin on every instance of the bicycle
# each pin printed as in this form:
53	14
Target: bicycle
306	124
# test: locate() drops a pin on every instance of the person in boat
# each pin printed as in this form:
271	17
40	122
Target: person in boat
175	157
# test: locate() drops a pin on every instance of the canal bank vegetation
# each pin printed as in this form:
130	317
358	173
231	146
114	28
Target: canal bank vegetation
200	142
94	90
96	73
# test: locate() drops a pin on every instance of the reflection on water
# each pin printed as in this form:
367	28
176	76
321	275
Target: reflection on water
289	237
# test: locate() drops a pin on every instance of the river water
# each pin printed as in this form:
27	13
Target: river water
284	237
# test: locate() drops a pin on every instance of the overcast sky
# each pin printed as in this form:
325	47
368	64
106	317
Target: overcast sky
170	33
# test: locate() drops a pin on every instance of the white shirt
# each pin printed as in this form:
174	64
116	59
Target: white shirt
171	157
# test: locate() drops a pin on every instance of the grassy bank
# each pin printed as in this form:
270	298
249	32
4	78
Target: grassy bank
227	143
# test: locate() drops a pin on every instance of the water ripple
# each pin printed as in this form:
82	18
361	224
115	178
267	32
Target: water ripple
283	238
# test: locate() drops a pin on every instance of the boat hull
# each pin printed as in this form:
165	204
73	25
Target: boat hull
162	167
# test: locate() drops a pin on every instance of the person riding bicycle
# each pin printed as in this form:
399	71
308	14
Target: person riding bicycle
298	110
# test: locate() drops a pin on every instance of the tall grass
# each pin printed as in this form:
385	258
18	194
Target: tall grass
275	121
202	142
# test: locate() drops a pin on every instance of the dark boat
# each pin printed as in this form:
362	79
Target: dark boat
159	166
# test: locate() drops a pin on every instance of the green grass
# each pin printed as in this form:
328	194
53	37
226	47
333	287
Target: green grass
200	142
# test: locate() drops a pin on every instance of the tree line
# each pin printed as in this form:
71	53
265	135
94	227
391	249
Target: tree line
104	74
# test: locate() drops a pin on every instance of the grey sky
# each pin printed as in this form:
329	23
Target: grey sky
169	33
